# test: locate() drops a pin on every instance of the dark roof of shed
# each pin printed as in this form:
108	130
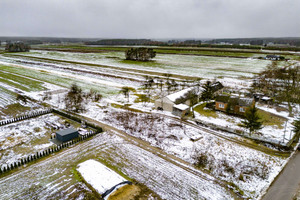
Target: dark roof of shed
66	131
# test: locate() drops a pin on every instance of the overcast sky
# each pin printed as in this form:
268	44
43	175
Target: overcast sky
150	18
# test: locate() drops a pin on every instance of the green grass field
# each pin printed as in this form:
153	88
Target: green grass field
208	51
34	79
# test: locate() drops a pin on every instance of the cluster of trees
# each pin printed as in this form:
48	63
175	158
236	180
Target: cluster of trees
140	54
282	83
76	99
17	47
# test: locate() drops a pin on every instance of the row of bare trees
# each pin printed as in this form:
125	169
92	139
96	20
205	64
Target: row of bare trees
282	83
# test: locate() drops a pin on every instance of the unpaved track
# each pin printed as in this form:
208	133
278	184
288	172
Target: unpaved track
287	182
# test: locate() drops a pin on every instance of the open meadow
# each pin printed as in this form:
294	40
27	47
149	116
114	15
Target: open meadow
153	148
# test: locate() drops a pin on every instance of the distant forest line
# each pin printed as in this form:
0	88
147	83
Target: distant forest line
288	43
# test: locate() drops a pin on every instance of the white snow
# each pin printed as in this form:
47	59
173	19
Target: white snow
100	177
181	106
173	97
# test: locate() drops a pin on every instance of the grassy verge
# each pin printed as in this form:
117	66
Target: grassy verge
205	112
271	120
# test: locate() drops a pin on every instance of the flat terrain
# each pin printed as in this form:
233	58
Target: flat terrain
53	176
149	147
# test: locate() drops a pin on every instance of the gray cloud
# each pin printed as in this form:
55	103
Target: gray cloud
150	18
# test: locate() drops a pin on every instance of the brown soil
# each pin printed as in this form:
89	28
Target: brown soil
127	192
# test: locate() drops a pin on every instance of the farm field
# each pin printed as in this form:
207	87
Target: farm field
210	51
247	171
200	66
53	176
54	79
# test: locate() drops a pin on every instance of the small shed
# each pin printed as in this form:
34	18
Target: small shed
180	110
66	134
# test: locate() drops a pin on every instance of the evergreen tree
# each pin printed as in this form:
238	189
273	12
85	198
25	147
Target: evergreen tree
296	128
207	94
252	120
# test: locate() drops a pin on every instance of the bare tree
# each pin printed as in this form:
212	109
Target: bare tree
74	99
280	82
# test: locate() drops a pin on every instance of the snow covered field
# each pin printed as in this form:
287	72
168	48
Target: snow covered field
7	97
53	178
64	79
256	167
246	170
202	66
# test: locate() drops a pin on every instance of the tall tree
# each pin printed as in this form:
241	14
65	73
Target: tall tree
296	128
193	98
17	47
280	82
74	99
252	121
208	92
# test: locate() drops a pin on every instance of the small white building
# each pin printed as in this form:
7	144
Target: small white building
177	103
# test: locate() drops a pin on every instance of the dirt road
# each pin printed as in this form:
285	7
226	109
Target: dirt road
287	183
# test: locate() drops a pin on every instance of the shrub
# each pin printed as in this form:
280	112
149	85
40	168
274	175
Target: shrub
201	160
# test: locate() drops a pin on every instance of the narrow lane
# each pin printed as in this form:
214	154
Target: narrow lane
287	183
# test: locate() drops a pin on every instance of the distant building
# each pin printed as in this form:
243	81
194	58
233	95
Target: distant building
232	104
66	134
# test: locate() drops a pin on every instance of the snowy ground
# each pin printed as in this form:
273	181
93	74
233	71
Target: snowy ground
53	178
173	137
99	176
203	66
250	170
27	137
